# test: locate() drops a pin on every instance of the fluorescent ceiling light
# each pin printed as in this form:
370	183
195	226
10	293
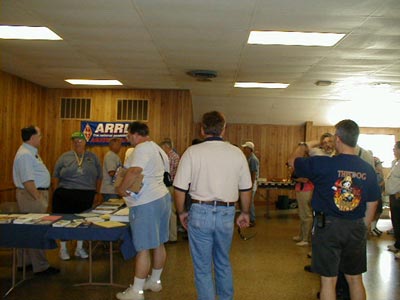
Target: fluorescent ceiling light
27	33
261	85
93	81
294	38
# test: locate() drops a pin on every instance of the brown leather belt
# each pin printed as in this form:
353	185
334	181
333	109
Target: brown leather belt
215	203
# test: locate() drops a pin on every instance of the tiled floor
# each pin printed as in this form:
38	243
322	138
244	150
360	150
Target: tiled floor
268	266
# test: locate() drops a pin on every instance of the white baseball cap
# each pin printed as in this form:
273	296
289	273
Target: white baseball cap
249	145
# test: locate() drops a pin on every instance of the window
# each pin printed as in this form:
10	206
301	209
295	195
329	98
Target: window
381	146
132	110
75	108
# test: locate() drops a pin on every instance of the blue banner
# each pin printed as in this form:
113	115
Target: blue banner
100	133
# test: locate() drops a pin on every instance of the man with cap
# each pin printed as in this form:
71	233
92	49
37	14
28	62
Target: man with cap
77	179
32	180
254	166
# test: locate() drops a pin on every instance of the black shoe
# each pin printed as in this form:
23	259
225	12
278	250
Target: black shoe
185	235
49	271
308	268
27	268
252	224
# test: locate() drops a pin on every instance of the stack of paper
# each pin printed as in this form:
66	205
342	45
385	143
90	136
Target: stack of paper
109	224
75	223
105	209
6	219
61	223
47	220
121	215
94	220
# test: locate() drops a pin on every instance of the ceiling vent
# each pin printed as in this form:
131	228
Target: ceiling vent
202	75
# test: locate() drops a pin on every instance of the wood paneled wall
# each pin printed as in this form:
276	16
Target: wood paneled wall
21	105
24	103
170	115
274	143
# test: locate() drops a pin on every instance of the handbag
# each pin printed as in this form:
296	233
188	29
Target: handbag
167	179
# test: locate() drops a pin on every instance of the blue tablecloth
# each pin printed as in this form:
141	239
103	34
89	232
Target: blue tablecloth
45	236
25	236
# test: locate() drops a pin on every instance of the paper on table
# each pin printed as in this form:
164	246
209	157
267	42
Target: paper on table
110	224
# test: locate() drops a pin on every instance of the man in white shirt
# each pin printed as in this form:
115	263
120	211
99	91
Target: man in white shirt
214	173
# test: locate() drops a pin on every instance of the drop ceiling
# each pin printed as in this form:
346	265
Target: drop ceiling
152	44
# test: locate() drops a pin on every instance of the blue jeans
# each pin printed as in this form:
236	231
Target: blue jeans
252	208
210	232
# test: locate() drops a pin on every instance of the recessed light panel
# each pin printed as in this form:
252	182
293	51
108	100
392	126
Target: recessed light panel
93	82
261	85
27	33
294	38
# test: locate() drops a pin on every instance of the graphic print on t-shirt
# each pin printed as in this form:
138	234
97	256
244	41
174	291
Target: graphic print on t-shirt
347	197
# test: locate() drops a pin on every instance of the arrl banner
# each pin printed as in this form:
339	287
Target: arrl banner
100	133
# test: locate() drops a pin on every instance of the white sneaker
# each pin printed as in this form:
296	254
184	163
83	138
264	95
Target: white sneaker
392	248
297	238
302	243
64	255
154	286
80	252
130	294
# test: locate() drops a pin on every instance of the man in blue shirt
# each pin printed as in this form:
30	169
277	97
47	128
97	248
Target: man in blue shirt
32	180
344	200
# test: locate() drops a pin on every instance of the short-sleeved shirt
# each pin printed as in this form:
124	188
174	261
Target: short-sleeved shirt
111	163
343	184
74	178
173	162
254	166
147	156
392	183
28	166
214	170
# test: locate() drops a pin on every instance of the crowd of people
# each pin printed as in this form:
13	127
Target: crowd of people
339	188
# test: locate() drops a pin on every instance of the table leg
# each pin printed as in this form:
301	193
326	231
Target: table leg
111	263
14	284
267	213
111	283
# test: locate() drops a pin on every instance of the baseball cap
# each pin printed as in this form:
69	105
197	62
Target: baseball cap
249	145
78	135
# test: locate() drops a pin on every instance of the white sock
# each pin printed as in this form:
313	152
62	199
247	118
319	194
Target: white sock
138	284
156	275
79	244
63	245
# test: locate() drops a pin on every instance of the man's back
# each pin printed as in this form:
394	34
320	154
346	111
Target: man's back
215	169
